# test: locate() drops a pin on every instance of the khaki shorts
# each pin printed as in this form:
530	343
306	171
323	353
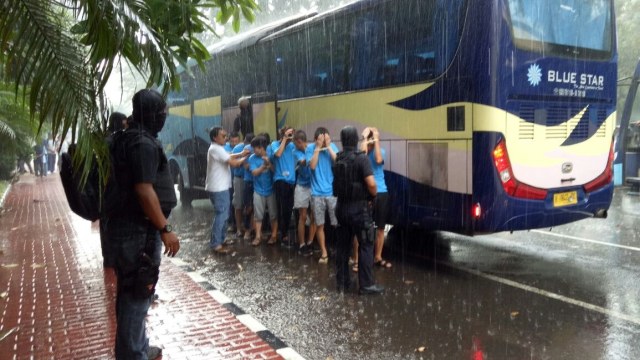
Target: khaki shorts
262	203
301	197
320	204
238	191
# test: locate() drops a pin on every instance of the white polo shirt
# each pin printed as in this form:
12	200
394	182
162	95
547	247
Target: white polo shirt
218	171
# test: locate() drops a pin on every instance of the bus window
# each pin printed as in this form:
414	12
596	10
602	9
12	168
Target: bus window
549	25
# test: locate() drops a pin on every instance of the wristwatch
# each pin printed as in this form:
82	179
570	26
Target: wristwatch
166	229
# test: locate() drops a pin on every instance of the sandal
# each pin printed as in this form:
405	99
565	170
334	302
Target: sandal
355	267
323	260
247	236
383	264
272	241
256	242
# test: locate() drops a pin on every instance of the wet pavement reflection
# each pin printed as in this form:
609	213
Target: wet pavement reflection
565	293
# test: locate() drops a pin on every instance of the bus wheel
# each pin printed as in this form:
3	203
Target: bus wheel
185	195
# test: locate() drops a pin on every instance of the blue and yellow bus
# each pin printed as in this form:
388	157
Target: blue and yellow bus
495	115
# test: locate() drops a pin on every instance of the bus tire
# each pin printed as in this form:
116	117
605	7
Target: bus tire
185	195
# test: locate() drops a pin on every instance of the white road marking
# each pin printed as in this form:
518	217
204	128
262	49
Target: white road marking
587	240
545	293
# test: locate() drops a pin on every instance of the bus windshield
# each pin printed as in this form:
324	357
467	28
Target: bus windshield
563	27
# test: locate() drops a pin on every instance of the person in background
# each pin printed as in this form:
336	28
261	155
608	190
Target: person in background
263	197
51	154
320	156
108	259
217	184
284	178
302	194
40	160
355	187
243	123
370	145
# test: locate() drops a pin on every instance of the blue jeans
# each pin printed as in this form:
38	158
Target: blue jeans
128	239
221	203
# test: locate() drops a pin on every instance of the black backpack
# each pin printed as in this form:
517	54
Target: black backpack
346	183
92	201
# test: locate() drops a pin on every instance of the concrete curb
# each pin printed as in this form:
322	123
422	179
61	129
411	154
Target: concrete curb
249	321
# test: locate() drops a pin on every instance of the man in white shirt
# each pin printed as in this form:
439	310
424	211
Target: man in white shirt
218	183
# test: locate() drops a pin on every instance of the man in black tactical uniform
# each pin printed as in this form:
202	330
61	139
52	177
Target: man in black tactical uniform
138	228
355	187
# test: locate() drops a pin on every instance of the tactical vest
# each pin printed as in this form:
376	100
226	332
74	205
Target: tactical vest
348	184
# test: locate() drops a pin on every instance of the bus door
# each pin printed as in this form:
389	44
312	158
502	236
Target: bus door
207	113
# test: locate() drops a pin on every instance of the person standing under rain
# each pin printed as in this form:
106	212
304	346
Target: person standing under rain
370	145
263	196
355	187
234	140
284	178
243	123
139	230
217	184
238	191
302	195
320	156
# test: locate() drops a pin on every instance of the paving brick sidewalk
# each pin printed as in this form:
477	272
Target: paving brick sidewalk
57	302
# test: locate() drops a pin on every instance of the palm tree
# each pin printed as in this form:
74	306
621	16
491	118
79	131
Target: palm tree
66	50
16	131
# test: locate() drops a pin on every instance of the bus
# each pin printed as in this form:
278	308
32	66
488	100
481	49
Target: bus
495	115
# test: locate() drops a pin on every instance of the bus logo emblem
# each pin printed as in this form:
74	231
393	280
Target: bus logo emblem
534	75
567	168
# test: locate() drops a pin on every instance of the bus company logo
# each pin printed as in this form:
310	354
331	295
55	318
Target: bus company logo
567	167
534	75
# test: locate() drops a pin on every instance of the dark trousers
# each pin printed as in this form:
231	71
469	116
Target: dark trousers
128	240
284	197
354	219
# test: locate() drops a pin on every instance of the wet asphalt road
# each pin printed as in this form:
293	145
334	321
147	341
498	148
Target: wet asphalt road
571	292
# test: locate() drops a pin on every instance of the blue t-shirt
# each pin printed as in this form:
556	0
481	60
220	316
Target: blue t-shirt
303	175
378	170
238	171
247	174
322	176
263	183
227	147
285	165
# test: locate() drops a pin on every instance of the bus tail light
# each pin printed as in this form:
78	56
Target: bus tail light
510	184
604	178
476	211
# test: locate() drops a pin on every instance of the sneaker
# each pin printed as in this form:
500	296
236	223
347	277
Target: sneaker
221	250
374	289
231	229
153	352
228	241
302	250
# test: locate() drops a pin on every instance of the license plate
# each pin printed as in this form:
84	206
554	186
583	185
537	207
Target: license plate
565	198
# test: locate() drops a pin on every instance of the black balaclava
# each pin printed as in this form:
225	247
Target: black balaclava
115	122
149	110
349	138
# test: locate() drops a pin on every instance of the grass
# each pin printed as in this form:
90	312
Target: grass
3	186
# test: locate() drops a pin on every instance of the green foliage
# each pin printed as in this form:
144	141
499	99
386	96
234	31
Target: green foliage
16	130
66	65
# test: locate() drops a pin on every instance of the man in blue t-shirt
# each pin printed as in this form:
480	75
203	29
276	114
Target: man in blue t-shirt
284	179
302	194
320	157
371	146
237	200
263	197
